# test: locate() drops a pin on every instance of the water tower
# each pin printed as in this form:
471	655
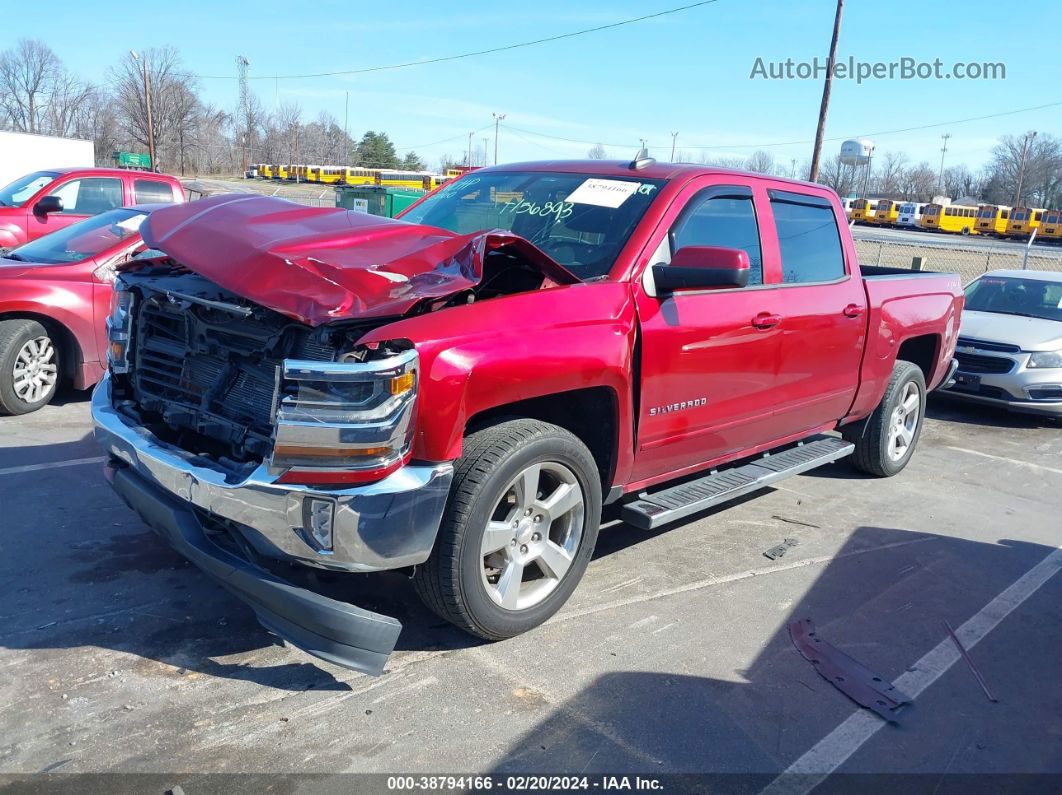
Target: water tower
858	152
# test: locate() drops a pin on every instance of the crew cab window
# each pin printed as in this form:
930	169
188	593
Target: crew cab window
724	221
808	238
90	196
150	191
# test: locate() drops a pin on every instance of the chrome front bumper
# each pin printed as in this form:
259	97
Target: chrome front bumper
384	525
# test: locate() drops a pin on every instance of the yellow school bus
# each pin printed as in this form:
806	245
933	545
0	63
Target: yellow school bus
313	173
280	171
297	173
1023	220
886	213
400	179
1051	227
958	218
992	219
265	171
862	211
330	175
359	176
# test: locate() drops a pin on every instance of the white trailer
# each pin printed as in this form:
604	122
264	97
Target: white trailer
23	153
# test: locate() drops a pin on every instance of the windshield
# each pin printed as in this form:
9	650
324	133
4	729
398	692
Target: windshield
582	222
22	188
1016	296
81	240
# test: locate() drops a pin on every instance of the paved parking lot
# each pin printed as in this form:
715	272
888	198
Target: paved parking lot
673	655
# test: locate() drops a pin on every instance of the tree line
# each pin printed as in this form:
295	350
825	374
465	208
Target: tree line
893	175
38	94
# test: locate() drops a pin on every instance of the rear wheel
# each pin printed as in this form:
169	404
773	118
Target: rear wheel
519	529
29	366
886	440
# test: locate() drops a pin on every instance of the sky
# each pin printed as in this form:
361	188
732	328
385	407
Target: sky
687	72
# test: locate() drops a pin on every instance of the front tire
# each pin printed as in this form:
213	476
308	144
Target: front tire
518	532
885	441
29	366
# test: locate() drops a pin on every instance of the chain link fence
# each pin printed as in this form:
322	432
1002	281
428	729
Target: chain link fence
968	262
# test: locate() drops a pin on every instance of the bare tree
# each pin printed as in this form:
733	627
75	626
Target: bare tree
761	162
597	152
37	94
841	177
891	166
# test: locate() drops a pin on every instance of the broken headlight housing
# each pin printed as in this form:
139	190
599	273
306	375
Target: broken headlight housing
119	328
345	422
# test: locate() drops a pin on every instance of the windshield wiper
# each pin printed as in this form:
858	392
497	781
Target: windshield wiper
14	257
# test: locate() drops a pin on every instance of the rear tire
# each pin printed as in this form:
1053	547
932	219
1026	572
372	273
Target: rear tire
885	441
29	366
519	529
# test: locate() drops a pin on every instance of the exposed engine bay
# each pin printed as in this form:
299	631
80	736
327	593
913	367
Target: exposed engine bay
206	364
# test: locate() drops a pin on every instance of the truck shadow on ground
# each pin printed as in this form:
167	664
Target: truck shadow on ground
882	599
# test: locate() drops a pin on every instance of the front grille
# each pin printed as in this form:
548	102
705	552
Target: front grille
984	345
976	363
215	373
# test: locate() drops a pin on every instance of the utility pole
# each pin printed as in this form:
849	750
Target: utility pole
245	109
346	106
1021	169
147	106
674	137
498	117
468	158
943	151
825	106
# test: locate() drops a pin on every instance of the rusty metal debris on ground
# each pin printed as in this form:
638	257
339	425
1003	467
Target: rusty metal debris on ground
848	675
776	552
969	661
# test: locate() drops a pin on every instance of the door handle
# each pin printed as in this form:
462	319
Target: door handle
853	310
766	320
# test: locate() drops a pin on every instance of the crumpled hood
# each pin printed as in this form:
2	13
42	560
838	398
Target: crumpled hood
319	265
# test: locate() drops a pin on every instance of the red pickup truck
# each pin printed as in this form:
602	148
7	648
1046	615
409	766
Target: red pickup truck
45	201
457	393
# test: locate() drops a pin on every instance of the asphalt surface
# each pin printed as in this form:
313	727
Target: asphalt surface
672	656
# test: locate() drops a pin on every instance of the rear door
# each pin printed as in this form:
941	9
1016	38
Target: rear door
823	313
709	358
152	191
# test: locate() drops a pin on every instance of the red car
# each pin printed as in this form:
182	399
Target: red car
45	201
458	392
54	297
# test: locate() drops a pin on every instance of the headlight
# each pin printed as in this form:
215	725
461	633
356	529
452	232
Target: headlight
119	329
344	422
1046	359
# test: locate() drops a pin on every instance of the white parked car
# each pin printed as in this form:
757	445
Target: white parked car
1010	343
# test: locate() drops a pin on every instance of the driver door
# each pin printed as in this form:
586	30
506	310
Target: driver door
709	357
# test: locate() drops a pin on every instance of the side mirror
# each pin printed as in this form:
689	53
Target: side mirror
703	268
48	204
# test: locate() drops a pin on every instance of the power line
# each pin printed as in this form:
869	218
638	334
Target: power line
503	48
796	143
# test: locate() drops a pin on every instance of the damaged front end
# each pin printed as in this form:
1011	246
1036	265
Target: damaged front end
247	423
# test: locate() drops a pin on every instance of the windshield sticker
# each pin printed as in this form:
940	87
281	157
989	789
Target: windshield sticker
603	192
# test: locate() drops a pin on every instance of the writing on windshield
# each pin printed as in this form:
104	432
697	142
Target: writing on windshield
579	220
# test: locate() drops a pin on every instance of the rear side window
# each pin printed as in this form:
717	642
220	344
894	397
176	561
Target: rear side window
808	238
724	221
149	191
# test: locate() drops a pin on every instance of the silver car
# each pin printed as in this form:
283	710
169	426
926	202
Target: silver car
1010	342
